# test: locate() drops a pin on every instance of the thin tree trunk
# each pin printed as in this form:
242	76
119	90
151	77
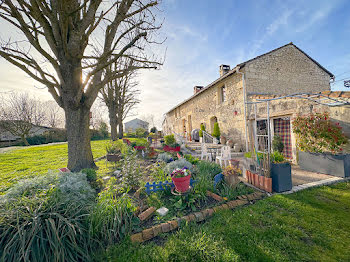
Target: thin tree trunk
78	136
121	131
113	123
25	140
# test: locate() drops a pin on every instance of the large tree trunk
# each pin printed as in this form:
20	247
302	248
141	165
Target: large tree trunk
78	136
113	122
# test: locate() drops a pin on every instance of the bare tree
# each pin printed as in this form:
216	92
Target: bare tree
20	115
54	114
120	97
97	115
68	44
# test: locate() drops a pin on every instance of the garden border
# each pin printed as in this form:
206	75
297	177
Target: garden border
171	225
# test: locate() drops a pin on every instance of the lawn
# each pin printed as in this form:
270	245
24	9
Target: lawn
36	160
312	225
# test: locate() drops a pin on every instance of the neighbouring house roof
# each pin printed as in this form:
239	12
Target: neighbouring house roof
138	120
241	65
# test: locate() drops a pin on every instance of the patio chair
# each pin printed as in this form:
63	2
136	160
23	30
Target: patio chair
224	156
205	154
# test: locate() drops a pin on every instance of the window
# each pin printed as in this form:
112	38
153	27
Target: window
223	94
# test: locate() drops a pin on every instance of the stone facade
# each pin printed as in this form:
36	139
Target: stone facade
286	70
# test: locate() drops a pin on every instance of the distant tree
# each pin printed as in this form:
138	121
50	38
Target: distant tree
66	45
54	114
19	114
120	97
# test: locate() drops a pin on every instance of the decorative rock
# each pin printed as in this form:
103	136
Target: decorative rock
199	216
136	238
162	211
187	218
165	227
215	196
147	234
147	214
106	178
210	211
117	173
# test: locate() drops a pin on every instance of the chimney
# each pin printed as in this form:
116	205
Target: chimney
224	69
197	89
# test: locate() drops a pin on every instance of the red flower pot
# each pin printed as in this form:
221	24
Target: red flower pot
182	184
261	182
249	176
171	149
268	184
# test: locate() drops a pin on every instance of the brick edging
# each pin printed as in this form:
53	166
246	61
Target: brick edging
154	231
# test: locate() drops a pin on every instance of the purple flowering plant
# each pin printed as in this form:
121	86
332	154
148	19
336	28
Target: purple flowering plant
183	172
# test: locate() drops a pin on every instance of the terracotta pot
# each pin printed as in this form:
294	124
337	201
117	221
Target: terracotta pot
182	184
249	177
254	179
268	184
261	182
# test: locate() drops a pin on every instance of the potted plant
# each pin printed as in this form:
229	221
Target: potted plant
170	144
216	133
223	140
280	173
201	133
320	142
231	174
181	179
113	152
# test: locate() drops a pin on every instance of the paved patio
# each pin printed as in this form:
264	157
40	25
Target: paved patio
300	176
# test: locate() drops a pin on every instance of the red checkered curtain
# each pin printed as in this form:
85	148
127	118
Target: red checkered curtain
282	128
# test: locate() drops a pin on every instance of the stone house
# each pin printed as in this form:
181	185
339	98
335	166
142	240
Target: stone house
283	71
132	125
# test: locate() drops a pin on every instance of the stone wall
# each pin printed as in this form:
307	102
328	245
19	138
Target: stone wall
207	105
285	71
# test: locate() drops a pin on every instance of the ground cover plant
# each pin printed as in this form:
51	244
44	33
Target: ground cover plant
310	225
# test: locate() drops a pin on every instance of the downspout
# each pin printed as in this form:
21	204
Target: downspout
245	111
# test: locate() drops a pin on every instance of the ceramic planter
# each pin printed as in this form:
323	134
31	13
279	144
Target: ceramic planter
182	184
281	177
232	180
335	165
171	149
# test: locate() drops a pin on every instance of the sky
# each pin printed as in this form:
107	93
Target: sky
203	34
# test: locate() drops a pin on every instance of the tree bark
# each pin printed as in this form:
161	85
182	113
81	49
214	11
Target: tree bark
78	136
121	131
113	123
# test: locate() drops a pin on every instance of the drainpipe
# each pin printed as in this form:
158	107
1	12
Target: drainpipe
245	111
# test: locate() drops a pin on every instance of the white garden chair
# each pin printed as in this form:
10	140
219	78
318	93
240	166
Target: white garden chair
205	154
224	156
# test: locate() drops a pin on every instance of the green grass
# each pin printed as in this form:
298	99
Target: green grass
35	160
312	225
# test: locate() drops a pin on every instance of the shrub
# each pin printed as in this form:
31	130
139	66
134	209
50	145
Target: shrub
248	154
165	157
48	224
201	130
141	132
153	130
191	159
216	132
170	140
158	173
205	172
131	172
180	163
317	133
103	130
277	144
91	177
117	147
112	218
